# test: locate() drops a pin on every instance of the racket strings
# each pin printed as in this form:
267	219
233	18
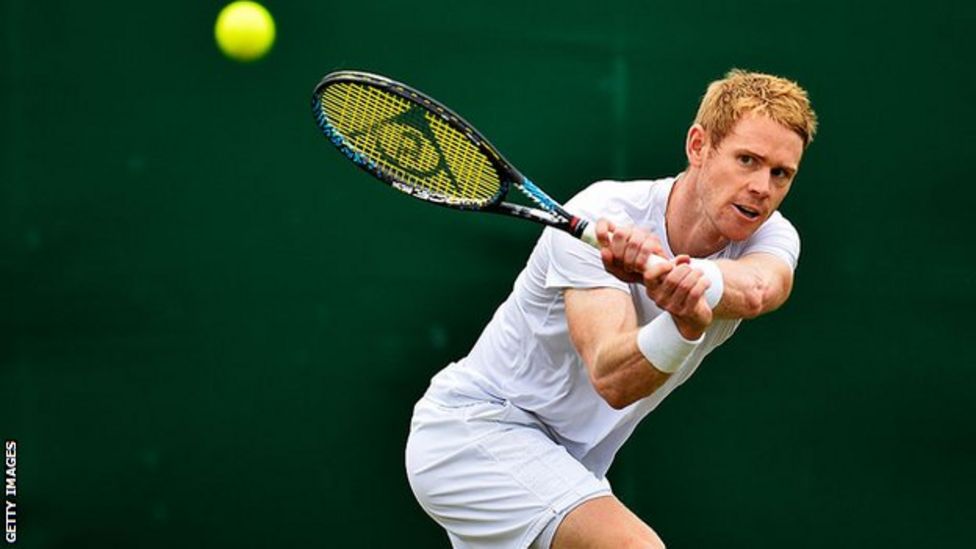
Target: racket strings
411	144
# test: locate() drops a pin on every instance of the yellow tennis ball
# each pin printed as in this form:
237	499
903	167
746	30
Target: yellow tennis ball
245	31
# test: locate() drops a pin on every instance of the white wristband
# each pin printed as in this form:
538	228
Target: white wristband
663	345
711	271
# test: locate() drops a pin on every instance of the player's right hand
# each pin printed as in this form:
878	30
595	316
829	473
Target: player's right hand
625	251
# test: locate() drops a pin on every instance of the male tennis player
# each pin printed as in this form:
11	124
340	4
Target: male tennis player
510	446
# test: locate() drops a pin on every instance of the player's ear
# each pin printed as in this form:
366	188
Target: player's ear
695	144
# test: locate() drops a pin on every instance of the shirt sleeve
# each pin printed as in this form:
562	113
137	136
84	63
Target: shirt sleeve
575	264
572	262
777	237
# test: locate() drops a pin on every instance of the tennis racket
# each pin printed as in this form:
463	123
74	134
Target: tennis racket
420	147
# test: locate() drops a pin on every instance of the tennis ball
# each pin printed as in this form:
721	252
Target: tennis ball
245	31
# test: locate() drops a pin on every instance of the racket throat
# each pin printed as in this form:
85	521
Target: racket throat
531	214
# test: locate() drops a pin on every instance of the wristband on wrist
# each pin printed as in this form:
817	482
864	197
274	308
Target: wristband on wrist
714	275
663	345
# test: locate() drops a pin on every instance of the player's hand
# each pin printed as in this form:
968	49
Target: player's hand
681	292
625	251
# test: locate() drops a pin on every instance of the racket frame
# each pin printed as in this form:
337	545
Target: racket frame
549	213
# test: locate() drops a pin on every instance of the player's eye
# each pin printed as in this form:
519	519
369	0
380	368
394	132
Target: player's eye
746	160
779	172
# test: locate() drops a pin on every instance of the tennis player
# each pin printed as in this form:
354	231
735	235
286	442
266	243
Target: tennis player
510	446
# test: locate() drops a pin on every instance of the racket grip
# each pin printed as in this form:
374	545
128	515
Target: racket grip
589	236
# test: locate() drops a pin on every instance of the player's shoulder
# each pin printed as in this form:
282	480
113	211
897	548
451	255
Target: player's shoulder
619	200
777	223
776	236
610	189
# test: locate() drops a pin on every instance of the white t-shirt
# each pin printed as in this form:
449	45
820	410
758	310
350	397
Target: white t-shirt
525	355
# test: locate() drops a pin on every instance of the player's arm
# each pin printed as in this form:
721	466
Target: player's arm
755	284
603	327
752	285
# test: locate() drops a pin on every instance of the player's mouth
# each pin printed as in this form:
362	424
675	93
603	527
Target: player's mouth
748	212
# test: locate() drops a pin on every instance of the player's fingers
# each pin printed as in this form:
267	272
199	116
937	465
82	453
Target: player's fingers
673	278
604	231
632	250
650	246
695	294
663	292
601	232
683	289
700	314
609	263
704	313
700	288
654	273
621	238
655	245
682	259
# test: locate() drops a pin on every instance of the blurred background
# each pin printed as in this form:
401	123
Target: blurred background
214	327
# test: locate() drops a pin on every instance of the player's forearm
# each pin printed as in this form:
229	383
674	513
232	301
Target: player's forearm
626	362
621	374
750	291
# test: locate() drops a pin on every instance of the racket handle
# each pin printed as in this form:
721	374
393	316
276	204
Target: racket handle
589	236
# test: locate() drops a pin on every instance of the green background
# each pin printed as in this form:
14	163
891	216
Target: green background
214	327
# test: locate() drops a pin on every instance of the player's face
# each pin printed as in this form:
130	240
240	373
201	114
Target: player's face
746	177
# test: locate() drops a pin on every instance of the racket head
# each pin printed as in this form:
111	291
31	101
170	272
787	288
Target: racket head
410	141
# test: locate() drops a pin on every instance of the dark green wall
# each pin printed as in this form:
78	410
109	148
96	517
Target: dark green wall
214	327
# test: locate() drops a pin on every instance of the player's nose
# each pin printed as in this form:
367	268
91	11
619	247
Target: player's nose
760	183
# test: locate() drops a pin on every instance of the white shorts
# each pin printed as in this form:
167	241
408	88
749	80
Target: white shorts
491	476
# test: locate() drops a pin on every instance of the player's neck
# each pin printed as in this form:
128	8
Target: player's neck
690	231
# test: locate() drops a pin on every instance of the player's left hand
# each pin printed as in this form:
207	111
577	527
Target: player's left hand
625	251
681	292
